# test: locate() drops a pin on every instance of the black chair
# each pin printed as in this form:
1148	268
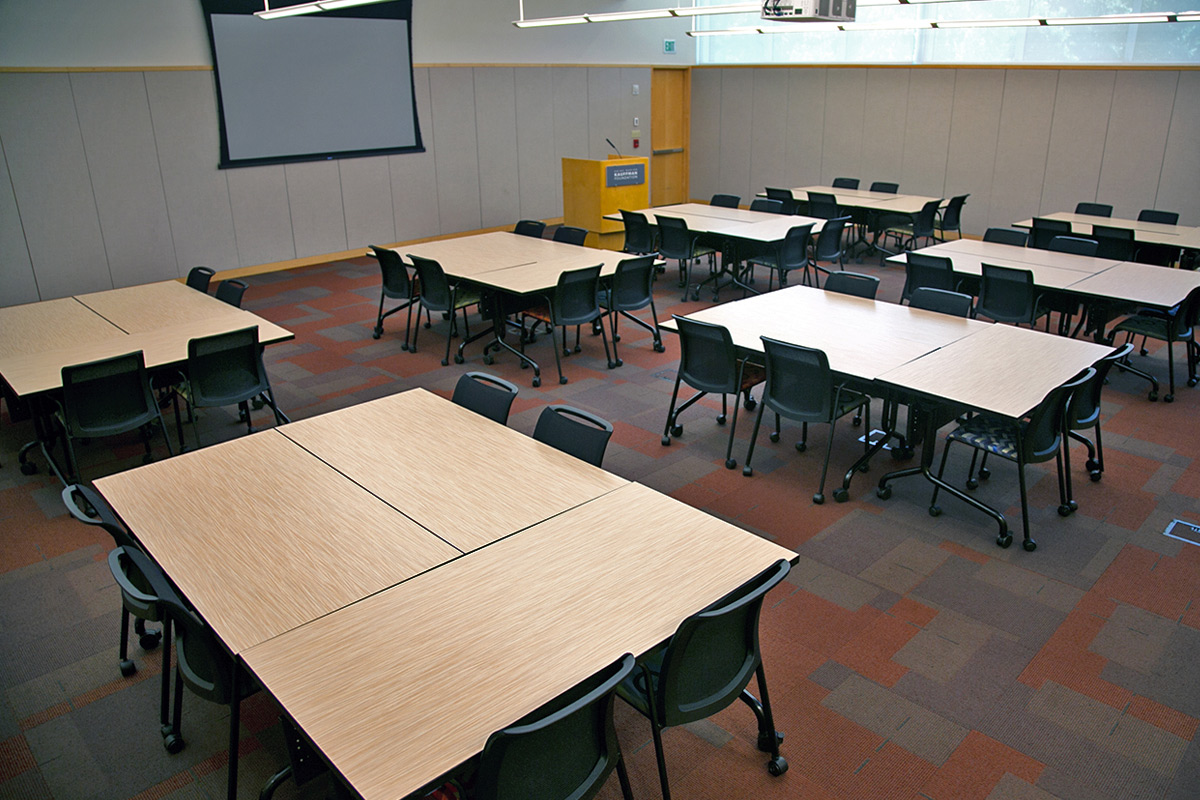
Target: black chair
397	285
924	270
725	200
570	235
632	290
844	183
485	394
1075	245
677	242
530	227
852	283
767	205
705	666
1094	209
1007	294
1010	236
800	387
226	369
1044	230
790	254
575	432
823	206
785	197
941	301
1175	326
640	238
950	217
564	750
231	291
573	302
439	295
829	248
887	187
107	398
708	362
1029	441
1114	243
198	278
1161	217
1083	413
923	226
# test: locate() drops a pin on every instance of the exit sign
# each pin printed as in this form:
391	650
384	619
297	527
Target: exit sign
669	46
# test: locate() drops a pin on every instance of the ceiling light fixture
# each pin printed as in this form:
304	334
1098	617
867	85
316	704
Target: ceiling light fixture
621	16
309	8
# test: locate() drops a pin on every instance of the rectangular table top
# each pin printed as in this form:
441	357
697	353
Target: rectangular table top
1182	236
51	325
464	477
1003	369
261	536
994	252
1141	283
441	661
154	306
874	201
1045	275
756	226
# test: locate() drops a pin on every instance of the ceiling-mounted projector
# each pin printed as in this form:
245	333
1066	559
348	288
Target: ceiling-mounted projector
809	10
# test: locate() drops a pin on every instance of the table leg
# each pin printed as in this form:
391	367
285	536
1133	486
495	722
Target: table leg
499	329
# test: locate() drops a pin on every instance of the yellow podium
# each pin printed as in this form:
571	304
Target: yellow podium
593	188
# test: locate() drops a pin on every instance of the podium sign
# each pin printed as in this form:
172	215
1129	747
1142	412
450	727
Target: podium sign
625	175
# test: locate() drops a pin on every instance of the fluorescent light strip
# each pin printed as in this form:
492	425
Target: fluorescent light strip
1110	19
330	5
887	25
621	16
288	11
732	8
725	32
988	23
543	22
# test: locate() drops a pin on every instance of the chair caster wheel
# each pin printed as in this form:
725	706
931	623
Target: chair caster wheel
620	362
173	743
1095	475
1092	465
747	470
1030	545
445	362
489	360
1005	540
28	468
840	495
856	421
721	420
935	511
1064	510
578	349
536	381
1143	351
774	437
1191	382
659	347
777	766
972	484
666	441
984	473
750	404
404	347
562	379
376	334
884	492
818	498
1074	506
676	430
1168	398
458	359
801	447
150	639
128	668
695	296
1152	397
730	463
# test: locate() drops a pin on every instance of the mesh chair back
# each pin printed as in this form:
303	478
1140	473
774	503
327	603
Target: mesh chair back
485	394
926	220
231	292
1094	209
1189	313
575	296
829	241
639	234
565	749
107	397
793	253
936	272
676	239
822	205
575	432
1114	243
845	183
1075	245
885	186
852	283
1045	230
226	368
1006	294
633	284
1084	408
435	289
766	204
941	301
530	227
1006	236
714	653
725	200
707	359
799	382
396	283
952	213
1161	217
1041	436
199	277
785	197
570	235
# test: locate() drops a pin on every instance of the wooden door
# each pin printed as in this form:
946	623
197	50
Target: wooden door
670	126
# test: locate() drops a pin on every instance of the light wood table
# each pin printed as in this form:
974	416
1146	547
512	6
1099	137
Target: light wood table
261	536
905	204
50	325
441	661
1181	236
466	478
1144	284
994	252
157	306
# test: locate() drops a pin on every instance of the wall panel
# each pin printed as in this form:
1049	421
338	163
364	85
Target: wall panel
571	121
455	148
540	172
1137	139
315	202
184	110
414	176
17	282
737	105
605	120
1180	176
262	220
845	99
496	118
634	106
927	132
705	135
768	124
118	137
1024	140
885	111
805	131
971	153
1077	137
367	201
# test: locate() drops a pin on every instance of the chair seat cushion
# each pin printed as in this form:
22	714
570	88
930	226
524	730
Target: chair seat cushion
991	434
1156	327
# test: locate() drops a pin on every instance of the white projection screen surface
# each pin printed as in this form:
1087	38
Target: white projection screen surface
309	88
